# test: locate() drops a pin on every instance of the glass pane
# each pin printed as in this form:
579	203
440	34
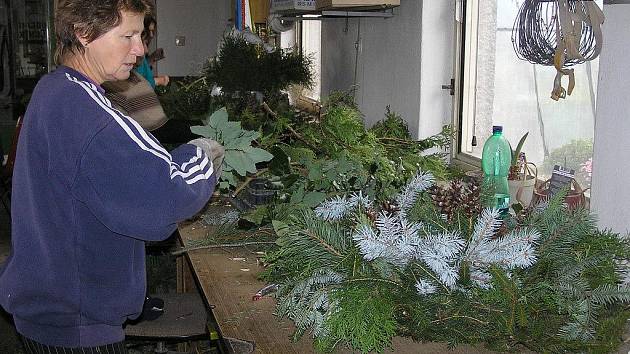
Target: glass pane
517	95
31	49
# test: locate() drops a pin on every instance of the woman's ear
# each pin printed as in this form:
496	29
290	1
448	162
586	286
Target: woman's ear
81	37
83	41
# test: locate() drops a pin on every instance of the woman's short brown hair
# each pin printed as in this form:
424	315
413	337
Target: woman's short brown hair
89	19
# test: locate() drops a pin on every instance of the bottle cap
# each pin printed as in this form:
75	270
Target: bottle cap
497	129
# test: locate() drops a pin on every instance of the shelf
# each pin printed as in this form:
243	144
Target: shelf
334	14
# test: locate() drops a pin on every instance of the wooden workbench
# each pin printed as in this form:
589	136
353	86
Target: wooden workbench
228	280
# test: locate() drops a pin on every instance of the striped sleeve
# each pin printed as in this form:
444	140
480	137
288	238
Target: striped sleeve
132	184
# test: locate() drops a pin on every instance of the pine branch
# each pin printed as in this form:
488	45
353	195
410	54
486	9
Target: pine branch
323	243
297	135
378	280
460	316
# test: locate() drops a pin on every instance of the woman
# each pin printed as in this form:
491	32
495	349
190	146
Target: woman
146	64
90	187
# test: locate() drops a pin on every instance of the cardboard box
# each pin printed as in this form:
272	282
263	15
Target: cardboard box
292	5
260	10
355	4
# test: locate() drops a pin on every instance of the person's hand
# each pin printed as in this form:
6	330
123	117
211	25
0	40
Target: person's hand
162	80
215	152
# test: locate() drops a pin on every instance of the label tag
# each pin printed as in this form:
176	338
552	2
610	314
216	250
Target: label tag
561	177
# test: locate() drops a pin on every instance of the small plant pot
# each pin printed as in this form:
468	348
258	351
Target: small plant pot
259	192
522	190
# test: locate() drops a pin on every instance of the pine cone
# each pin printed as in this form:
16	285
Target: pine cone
458	196
372	215
471	200
390	207
442	198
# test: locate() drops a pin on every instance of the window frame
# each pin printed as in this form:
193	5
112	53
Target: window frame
299	40
462	100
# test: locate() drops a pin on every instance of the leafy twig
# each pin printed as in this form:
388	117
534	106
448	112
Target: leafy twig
299	136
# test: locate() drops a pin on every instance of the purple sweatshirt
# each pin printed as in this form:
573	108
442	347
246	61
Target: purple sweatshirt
89	187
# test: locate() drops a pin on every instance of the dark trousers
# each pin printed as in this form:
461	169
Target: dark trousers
33	347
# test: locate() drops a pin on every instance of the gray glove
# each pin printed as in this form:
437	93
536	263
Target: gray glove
214	151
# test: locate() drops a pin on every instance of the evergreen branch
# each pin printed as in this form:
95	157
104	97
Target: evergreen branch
432	276
225	245
373	279
297	135
549	240
323	243
608	294
485	227
408	196
460	316
482	306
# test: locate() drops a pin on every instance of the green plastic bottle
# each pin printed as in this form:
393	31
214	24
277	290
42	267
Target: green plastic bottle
495	162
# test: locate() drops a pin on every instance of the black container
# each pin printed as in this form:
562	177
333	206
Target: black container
259	191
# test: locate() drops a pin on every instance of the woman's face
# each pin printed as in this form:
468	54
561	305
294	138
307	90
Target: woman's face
113	55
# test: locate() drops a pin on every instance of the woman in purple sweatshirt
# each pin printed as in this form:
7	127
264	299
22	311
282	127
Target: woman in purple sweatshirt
90	186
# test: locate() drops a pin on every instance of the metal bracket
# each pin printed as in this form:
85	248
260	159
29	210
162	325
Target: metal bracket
450	87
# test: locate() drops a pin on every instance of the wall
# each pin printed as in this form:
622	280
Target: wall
202	22
389	66
611	155
437	48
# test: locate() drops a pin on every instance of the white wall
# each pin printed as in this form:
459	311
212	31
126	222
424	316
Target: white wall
202	22
391	68
611	155
437	49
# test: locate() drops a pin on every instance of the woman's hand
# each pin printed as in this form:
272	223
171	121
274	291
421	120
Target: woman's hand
161	80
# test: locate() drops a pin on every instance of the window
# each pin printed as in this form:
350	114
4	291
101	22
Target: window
500	89
311	43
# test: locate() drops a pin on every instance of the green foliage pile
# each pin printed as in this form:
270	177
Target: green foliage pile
571	299
337	154
186	99
242	67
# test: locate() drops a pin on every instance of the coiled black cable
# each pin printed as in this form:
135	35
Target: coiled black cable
534	34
